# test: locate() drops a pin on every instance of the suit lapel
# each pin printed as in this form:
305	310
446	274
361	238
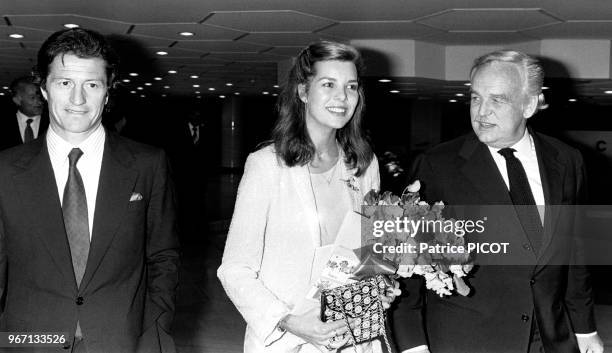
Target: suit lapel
38	190
551	172
481	171
115	187
303	187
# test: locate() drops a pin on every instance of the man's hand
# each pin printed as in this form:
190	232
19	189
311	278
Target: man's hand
590	344
390	295
311	329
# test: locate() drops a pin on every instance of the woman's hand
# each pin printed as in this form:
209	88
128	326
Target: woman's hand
390	294
310	328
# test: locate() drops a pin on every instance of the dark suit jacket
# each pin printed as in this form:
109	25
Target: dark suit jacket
126	299
9	130
498	315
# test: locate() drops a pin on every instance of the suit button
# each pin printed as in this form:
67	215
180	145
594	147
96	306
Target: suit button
526	246
532	281
79	301
525	318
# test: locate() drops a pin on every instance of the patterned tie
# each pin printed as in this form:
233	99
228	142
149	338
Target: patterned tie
28	134
74	207
522	198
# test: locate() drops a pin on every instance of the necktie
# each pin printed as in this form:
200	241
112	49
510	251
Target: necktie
194	135
28	134
74	208
522	198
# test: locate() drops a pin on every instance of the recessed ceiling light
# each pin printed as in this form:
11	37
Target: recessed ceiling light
275	94
142	95
186	34
394	91
133	74
199	97
196	86
16	35
211	89
71	25
384	80
452	100
265	92
197	92
132	92
126	80
467	84
459	94
157	78
1	93
236	93
162	53
545	87
221	96
275	86
572	99
608	92
229	84
171	71
148	84
139	88
194	76
166	87
163	95
5	87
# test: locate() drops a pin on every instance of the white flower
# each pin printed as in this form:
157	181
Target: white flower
414	187
457	270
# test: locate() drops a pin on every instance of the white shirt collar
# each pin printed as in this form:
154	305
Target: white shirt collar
24	118
523	147
60	148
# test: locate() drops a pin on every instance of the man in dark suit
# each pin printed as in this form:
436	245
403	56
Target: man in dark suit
28	121
189	156
542	301
87	224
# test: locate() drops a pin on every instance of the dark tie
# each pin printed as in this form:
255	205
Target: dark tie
522	198
28	134
74	207
194	136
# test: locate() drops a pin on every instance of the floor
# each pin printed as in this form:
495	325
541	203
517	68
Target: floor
207	322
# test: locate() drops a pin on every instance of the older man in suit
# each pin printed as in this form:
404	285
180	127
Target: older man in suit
543	302
28	121
87	225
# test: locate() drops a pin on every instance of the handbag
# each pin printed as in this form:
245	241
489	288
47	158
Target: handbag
358	301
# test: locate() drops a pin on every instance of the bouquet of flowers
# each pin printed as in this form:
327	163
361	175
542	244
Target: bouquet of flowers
414	246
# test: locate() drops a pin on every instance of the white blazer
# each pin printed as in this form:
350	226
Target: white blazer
271	242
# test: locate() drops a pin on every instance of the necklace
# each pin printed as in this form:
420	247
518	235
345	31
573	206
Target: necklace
328	175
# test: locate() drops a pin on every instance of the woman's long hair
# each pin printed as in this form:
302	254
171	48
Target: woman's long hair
290	137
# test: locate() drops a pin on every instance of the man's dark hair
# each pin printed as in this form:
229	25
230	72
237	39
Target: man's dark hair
18	84
84	43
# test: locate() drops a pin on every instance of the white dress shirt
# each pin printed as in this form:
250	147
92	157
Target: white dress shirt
22	120
89	165
194	131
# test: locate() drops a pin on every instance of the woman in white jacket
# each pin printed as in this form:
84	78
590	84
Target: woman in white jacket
292	198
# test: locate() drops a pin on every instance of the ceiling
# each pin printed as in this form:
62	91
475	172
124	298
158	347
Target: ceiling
236	44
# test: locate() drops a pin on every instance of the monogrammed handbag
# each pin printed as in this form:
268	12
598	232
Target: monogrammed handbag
358	301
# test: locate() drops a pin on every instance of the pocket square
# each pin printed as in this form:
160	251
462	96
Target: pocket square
135	197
